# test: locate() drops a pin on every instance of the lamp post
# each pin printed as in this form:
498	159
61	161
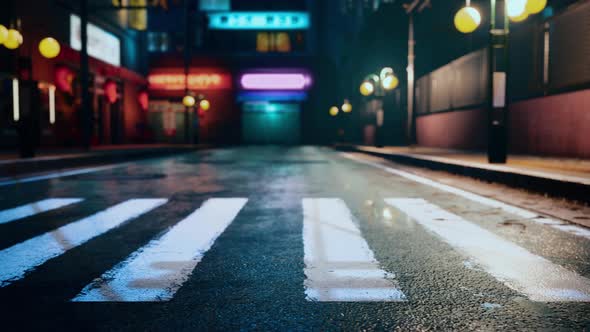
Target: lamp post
467	20
378	86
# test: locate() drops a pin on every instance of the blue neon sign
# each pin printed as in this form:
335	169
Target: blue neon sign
258	20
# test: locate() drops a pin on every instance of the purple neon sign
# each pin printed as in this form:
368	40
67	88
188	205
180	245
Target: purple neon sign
275	81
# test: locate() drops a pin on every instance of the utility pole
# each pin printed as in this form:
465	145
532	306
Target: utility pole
411	80
187	60
86	111
498	76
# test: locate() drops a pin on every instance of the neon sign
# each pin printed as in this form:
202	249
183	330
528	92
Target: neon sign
196	81
259	21
275	81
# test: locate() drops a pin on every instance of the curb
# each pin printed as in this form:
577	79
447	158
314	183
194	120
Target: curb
553	187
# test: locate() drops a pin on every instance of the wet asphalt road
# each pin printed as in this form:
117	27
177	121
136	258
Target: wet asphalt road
253	276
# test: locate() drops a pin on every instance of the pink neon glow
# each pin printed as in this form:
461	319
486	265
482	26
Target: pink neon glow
284	81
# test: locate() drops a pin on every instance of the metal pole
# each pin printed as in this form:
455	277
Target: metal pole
86	111
410	70
187	59
498	77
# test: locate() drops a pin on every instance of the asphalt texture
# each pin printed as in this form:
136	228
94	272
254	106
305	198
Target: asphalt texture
252	278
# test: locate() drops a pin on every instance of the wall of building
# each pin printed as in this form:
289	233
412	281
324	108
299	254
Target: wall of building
555	125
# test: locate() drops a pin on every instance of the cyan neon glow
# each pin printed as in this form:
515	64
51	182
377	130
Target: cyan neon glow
275	81
259	20
272	96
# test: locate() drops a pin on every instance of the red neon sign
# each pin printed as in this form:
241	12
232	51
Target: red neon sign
196	81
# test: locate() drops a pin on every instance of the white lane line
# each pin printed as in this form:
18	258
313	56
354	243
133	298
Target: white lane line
156	271
21	258
339	265
55	175
532	275
525	214
32	209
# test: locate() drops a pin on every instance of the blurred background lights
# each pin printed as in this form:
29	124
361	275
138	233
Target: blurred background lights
333	111
515	8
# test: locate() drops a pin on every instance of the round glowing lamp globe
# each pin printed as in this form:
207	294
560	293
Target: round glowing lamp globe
535	6
188	101
515	8
333	111
13	39
204	105
49	48
3	34
346	107
390	82
467	19
367	88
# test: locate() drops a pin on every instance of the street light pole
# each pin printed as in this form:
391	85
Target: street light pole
85	112
410	70
498	78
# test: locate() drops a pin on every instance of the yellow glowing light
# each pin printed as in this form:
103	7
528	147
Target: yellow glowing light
333	111
520	18
205	105
49	48
467	19
515	8
367	88
535	6
3	34
188	101
346	107
13	39
390	82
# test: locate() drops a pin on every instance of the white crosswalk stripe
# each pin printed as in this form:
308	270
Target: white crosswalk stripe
34	208
532	275
17	260
156	271
339	265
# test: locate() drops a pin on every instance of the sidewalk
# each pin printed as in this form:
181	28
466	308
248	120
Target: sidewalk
54	159
561	177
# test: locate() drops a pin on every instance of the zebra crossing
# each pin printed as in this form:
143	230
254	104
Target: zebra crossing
339	265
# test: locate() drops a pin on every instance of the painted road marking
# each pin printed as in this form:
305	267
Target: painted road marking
32	209
21	258
519	269
156	271
525	214
339	265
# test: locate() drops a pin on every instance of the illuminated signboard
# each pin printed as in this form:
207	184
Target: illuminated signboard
275	81
259	20
196	81
101	44
267	107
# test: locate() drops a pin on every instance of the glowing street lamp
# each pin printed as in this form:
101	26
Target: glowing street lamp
467	19
3	34
49	48
188	101
346	106
367	88
13	39
204	105
334	111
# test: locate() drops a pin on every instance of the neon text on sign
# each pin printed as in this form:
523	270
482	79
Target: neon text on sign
275	81
200	81
259	20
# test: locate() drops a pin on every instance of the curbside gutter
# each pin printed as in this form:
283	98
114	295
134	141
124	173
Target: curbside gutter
10	168
572	188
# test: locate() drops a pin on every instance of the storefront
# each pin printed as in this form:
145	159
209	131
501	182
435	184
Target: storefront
271	101
219	124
